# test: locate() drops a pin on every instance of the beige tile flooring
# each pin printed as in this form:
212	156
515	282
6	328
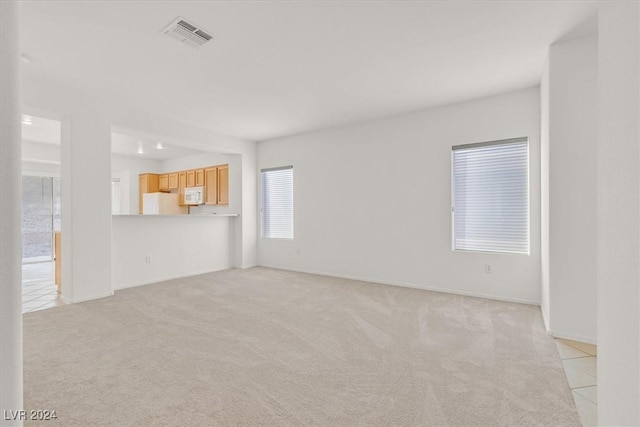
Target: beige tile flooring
580	365
38	287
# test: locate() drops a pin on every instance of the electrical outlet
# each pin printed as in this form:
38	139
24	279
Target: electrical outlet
298	251
147	259
488	269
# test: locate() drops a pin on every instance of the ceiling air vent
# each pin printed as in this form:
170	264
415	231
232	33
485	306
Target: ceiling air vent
187	33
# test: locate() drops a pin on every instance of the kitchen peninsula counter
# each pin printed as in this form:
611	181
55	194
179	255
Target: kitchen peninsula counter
166	247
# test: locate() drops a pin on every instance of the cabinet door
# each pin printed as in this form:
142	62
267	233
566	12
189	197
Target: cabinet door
173	181
182	183
163	182
191	178
153	185
211	186
199	177
223	185
143	180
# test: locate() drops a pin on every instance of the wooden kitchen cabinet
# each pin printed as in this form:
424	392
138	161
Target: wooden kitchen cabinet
173	181
163	182
147	183
191	178
214	179
182	184
211	186
223	185
199	177
216	188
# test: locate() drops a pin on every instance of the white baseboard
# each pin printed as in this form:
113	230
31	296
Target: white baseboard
545	321
410	285
573	337
91	298
164	279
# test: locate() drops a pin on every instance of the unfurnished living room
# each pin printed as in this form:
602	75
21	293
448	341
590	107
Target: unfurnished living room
325	213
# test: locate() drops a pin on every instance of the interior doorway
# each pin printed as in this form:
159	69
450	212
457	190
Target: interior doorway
41	213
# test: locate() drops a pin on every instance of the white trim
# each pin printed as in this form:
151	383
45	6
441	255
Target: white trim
150	282
74	301
572	337
245	267
546	322
410	285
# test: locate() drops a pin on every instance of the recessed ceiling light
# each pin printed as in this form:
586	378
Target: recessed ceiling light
140	150
26	120
159	146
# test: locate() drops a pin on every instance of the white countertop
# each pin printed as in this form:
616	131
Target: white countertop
178	215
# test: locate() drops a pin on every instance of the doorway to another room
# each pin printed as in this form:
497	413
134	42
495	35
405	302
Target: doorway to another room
41	225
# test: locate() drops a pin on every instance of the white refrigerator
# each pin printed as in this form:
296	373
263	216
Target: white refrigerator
162	204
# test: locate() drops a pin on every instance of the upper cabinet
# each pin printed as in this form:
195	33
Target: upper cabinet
214	179
195	178
191	178
163	182
223	185
217	185
168	181
182	184
199	177
173	181
211	186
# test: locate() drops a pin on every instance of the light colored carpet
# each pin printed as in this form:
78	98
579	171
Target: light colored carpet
271	347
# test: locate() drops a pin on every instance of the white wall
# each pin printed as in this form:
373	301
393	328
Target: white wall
618	213
86	204
373	200
130	167
124	181
571	165
206	140
10	197
247	235
86	172
40	169
178	246
40	159
544	195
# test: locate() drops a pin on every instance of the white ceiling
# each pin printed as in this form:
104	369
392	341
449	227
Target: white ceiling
128	145
279	68
41	130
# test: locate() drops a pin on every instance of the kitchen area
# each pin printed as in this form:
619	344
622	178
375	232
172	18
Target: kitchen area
174	193
174	210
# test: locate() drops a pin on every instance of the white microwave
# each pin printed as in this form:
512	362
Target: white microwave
194	195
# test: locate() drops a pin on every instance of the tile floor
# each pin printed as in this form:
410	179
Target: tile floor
580	366
38	287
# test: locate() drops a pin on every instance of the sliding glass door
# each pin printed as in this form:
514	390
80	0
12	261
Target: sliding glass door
40	217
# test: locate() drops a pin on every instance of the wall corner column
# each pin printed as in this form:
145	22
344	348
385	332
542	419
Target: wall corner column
10	221
618	213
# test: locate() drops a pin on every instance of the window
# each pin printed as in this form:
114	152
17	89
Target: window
276	208
491	196
40	217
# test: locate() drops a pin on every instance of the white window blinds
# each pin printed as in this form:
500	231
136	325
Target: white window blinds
276	206
491	196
